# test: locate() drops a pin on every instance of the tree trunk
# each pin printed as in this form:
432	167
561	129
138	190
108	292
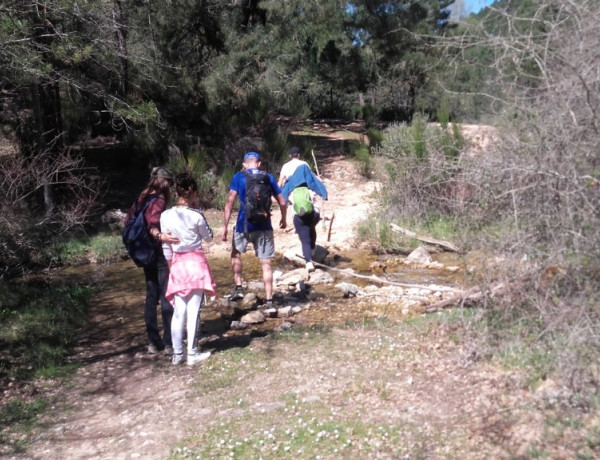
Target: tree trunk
48	126
121	45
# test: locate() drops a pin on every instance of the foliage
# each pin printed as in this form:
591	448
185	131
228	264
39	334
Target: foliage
195	164
363	157
37	327
18	417
532	195
422	171
375	137
73	248
25	228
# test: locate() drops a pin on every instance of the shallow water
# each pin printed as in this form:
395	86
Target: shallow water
117	308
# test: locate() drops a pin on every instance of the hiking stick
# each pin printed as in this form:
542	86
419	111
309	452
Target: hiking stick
330	224
316	165
323	225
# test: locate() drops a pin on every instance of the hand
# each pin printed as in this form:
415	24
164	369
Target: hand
224	234
282	223
167	237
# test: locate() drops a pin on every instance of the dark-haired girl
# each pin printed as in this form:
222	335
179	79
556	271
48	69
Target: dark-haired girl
158	190
190	277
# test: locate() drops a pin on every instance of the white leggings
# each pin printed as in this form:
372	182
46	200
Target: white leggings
189	307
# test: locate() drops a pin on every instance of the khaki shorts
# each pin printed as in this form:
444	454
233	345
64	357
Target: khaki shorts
262	240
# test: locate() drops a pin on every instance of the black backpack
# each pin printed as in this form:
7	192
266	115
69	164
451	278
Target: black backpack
258	198
138	242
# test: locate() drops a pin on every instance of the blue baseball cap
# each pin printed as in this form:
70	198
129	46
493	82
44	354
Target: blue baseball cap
251	155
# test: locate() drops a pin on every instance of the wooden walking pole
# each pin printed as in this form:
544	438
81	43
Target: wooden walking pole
330	224
324	225
316	165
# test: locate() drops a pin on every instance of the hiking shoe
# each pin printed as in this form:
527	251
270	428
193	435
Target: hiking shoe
153	349
197	357
177	359
310	267
237	294
267	305
168	350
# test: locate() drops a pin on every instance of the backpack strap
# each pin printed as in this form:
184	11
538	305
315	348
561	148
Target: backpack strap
149	199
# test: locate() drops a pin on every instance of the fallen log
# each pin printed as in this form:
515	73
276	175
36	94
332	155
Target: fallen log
425	239
376	279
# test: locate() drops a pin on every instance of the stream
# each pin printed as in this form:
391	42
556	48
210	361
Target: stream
116	311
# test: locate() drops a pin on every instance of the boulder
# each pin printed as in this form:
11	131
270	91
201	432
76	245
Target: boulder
249	300
293	278
254	317
256	285
348	289
291	256
320	277
419	257
284	312
319	254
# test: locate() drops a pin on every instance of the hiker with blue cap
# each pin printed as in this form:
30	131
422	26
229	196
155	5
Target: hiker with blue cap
255	189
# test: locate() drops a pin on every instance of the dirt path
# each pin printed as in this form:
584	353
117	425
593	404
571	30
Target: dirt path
362	390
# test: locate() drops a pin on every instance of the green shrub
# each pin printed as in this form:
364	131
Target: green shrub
38	322
195	163
375	137
363	157
222	191
443	112
421	174
75	249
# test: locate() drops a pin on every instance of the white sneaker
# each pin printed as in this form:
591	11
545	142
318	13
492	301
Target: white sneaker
197	357
310	267
177	359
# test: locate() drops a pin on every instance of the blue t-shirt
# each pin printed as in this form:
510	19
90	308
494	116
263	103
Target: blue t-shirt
238	185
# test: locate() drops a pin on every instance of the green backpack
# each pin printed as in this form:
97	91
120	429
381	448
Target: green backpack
302	201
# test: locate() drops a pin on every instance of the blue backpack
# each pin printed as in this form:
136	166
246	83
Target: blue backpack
138	242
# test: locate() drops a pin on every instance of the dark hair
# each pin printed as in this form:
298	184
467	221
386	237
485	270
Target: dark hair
185	184
158	185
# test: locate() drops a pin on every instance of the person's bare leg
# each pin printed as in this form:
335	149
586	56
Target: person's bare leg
236	266
267	271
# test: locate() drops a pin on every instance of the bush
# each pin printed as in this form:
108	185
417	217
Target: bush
421	178
533	196
195	164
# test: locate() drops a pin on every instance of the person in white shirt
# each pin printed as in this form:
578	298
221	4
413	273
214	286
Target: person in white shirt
306	225
288	169
190	277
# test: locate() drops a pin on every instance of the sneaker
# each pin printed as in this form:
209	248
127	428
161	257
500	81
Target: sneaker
168	350
152	349
237	294
197	357
177	359
267	305
310	267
